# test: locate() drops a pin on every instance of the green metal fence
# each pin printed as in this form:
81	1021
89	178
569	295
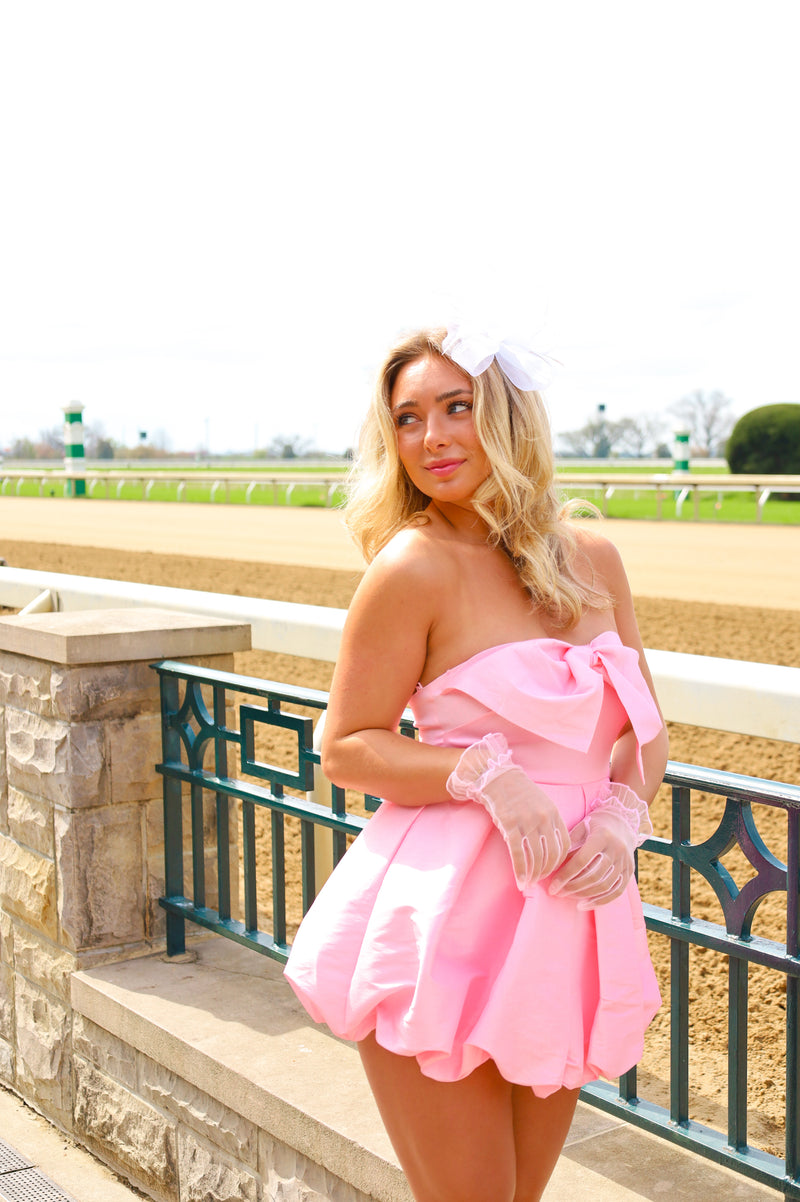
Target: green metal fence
735	940
212	723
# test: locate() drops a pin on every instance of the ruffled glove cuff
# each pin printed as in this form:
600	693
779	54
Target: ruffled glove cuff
479	765
619	799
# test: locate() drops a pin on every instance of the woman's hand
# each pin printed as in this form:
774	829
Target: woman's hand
602	863
532	827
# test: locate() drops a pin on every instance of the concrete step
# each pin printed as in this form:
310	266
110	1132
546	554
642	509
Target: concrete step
228	1024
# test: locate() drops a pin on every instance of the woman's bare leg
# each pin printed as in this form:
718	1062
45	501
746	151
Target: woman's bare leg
475	1140
540	1127
454	1140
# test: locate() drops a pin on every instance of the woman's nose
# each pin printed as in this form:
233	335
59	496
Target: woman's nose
435	434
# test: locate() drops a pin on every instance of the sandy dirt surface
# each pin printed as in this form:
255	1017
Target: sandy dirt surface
763	633
689	561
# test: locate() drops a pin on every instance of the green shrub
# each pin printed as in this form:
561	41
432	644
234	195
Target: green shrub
766	440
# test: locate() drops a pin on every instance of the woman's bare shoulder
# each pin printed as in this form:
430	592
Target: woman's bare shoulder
413	555
595	545
597	558
404	578
385	638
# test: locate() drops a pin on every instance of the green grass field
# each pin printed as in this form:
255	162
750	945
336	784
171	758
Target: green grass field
631	468
713	507
625	502
230	492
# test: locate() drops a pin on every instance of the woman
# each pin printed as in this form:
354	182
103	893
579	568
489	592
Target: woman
483	940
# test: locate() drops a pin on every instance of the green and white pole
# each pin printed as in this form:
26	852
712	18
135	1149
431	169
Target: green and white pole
680	452
73	447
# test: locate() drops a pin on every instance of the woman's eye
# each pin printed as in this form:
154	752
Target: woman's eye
404	419
459	406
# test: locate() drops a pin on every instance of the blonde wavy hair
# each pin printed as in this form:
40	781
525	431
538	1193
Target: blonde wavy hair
518	500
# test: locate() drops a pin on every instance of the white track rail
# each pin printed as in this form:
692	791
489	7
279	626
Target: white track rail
697	690
311	630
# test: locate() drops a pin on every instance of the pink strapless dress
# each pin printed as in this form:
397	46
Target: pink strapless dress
422	935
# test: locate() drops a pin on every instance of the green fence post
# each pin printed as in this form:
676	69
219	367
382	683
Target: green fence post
73	448
680	451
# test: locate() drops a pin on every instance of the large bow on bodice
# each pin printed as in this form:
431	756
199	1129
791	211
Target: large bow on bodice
552	688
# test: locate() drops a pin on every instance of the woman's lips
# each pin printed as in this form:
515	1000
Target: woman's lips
444	467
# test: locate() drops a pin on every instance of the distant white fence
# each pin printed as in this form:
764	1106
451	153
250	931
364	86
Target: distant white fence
676	488
109	484
698	690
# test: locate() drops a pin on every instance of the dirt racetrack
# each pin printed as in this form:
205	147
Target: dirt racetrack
766	572
687	561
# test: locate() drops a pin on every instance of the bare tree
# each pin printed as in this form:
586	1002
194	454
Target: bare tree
581	442
642	435
22	448
97	445
291	446
50	444
708	418
597	439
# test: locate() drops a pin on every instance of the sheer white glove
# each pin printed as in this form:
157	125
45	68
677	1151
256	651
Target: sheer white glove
532	827
602	846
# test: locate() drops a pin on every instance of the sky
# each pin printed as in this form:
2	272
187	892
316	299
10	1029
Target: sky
215	217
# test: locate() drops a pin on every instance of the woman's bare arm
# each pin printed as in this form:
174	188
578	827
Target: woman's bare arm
381	659
624	767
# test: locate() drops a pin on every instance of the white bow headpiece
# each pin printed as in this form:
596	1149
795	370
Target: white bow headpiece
526	369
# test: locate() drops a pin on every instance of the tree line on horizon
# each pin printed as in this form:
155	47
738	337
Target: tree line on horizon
763	441
706	415
50	445
769	435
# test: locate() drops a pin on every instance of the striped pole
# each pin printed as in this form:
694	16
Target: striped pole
680	451
73	447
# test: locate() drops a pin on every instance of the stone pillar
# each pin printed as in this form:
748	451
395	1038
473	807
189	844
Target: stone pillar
81	830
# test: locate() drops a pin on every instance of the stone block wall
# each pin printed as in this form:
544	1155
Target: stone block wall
81	871
206	1079
177	1141
81	833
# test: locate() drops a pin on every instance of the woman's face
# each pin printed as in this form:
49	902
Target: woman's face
431	407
